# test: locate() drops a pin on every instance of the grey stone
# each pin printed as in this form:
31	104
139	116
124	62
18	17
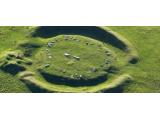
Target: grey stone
19	56
72	76
46	65
94	69
50	44
108	54
76	74
70	37
66	37
67	54
80	76
49	57
76	57
77	40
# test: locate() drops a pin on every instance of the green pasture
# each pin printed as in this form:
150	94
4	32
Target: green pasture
127	59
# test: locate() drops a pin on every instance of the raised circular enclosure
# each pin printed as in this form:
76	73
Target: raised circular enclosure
73	59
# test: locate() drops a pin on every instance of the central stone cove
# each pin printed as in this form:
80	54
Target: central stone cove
75	60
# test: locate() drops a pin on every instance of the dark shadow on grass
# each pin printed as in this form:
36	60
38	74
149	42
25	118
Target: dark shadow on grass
71	82
13	69
35	89
115	90
29	48
89	31
118	89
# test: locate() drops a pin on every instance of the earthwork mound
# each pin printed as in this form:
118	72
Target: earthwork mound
75	59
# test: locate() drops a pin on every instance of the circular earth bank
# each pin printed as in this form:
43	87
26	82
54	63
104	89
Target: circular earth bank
74	60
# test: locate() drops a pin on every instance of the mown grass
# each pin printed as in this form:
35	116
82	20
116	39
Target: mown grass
91	55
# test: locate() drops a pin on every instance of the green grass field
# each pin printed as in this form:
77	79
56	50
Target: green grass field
79	59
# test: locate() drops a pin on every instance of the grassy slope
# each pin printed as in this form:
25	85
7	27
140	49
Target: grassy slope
146	72
9	37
